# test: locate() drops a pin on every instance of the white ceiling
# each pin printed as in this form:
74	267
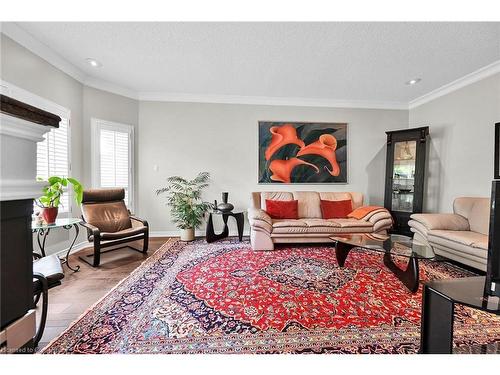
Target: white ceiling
334	61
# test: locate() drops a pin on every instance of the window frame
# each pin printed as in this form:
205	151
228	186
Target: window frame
97	125
30	98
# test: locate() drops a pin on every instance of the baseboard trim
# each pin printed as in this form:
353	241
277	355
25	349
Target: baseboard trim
198	233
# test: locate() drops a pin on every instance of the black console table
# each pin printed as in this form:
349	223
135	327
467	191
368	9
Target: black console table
239	216
438	303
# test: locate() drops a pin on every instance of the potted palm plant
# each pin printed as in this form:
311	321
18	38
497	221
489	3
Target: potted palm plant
184	200
52	193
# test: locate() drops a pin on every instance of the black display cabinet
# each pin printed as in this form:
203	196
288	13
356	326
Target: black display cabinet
405	175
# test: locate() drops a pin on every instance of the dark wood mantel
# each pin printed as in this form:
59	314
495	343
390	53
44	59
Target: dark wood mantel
27	112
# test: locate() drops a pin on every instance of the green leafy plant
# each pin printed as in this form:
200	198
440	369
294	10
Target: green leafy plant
54	190
184	199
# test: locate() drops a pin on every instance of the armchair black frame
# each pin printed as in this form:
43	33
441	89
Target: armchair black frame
94	235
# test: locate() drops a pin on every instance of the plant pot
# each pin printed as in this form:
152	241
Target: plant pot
49	214
187	234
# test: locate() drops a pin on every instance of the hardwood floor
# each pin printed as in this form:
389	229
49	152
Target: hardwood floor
80	290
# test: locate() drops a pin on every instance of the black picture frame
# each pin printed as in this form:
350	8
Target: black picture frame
496	172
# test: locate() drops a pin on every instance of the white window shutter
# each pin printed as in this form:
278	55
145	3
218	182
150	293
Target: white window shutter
52	159
113	156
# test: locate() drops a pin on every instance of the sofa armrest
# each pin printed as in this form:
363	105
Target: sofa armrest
259	218
441	221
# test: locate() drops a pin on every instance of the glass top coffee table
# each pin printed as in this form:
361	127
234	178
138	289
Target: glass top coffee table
390	245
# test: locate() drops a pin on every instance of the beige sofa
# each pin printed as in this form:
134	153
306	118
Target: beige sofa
461	236
310	227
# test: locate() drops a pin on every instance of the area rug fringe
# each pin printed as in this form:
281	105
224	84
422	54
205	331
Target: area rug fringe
162	249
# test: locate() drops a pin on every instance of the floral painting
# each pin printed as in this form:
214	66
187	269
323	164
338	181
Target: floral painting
302	152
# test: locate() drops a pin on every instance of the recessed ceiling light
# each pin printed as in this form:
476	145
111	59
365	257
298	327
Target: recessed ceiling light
93	62
413	81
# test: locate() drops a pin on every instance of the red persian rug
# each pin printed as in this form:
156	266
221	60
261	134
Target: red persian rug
225	298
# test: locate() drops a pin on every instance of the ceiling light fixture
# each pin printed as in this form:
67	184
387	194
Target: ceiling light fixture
413	81
93	63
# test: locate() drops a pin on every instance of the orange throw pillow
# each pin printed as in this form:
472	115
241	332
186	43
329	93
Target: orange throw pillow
361	212
336	209
282	209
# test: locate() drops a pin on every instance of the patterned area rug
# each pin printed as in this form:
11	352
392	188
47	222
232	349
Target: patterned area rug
225	298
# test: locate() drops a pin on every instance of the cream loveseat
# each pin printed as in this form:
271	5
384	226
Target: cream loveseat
310	227
460	236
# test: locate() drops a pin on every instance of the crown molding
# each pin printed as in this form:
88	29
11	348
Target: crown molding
270	100
28	41
110	87
18	34
466	80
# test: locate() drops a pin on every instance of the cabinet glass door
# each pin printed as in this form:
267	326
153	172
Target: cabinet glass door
403	176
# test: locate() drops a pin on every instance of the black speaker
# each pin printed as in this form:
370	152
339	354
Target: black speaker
493	267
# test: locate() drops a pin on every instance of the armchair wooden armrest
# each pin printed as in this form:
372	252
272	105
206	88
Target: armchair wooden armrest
92	231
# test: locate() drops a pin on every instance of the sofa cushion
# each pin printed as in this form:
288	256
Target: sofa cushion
309	204
335	209
282	209
304	226
279	223
352	223
320	223
329	227
275	196
356	198
450	238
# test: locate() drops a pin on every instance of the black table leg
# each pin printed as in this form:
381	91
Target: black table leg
436	330
240	221
41	237
66	259
341	252
408	277
211	236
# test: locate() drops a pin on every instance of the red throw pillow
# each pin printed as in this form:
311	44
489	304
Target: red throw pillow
282	209
336	209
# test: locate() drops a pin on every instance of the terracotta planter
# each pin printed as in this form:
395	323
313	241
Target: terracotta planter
49	214
187	234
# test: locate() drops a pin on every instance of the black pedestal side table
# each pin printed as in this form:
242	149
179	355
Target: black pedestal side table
438	304
239	216
43	231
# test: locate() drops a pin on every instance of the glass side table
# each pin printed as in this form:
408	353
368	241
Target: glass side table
43	231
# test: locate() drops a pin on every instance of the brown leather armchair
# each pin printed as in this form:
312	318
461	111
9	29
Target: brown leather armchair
109	223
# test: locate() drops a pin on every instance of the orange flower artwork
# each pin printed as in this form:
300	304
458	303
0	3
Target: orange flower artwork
282	169
325	146
281	136
283	146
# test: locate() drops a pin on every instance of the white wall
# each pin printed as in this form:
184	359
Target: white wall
28	71
110	107
462	141
186	138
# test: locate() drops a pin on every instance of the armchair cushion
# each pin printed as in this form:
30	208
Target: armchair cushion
124	233
442	221
109	217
